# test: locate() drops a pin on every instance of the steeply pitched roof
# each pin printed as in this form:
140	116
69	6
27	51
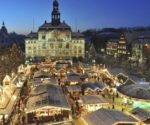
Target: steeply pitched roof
94	86
143	39
135	91
50	80
89	86
74	88
131	36
122	77
113	40
41	74
32	35
47	96
141	114
4	29
48	26
100	85
93	99
107	117
73	77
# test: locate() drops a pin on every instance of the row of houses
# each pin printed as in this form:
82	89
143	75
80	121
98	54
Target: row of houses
96	109
10	91
47	103
103	116
133	45
87	96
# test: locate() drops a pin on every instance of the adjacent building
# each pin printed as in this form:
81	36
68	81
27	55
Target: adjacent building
55	39
9	97
112	47
3	35
137	95
48	105
118	47
123	46
108	117
90	103
93	88
141	48
142	115
132	45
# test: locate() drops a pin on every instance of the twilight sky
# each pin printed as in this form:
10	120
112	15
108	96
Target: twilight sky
81	14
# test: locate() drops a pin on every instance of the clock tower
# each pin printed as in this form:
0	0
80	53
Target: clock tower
55	39
55	14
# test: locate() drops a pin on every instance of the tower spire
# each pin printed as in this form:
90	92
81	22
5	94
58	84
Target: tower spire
3	24
3	29
55	13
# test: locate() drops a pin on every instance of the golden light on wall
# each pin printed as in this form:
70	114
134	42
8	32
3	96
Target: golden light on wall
146	45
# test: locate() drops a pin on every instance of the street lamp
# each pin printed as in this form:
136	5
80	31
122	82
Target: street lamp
86	56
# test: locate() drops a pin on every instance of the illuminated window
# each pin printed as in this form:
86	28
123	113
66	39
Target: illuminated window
6	83
60	45
80	51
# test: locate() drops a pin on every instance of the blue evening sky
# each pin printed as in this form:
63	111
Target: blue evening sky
81	14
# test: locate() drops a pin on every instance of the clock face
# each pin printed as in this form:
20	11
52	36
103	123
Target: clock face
56	34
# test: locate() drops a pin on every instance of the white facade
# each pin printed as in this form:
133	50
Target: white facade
54	47
55	40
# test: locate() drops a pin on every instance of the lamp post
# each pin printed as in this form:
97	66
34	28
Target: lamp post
86	56
3	119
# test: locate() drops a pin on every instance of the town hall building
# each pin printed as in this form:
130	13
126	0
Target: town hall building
55	39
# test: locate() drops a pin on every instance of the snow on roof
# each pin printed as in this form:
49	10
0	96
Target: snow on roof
73	77
8	101
74	88
48	26
50	80
94	86
107	117
50	96
141	114
41	74
135	91
93	99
